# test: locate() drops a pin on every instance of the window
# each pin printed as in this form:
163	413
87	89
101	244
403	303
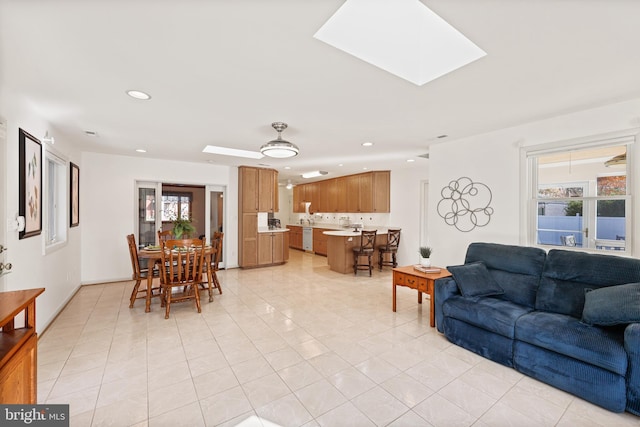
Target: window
176	205
56	201
579	195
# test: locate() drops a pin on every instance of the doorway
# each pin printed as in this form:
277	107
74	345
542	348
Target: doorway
216	215
204	205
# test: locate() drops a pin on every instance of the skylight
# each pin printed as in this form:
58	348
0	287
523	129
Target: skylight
225	151
403	37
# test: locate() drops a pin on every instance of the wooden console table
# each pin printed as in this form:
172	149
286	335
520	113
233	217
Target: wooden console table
423	282
18	347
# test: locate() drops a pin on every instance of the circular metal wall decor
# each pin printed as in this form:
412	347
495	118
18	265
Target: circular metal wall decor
465	204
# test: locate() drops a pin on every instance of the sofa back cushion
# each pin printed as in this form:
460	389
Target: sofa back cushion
567	274
517	269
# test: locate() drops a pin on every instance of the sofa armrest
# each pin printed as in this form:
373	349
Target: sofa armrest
444	289
632	346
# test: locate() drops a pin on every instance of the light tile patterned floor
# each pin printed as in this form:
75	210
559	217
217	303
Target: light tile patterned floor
293	345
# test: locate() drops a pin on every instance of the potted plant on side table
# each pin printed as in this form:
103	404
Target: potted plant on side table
425	256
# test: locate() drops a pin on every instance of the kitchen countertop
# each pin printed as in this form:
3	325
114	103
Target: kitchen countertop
338	227
329	226
350	233
271	230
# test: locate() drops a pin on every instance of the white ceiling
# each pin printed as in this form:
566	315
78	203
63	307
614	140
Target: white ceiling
221	71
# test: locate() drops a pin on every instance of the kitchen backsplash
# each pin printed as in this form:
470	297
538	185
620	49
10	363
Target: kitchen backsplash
377	219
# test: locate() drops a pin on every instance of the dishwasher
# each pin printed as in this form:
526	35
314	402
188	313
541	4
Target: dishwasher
307	238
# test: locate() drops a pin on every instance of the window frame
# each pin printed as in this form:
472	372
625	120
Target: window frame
57	200
529	188
180	195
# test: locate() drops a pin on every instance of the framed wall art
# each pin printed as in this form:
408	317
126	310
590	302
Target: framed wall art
74	208
30	158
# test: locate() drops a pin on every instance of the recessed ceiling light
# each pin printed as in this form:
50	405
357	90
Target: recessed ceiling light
141	150
340	165
287	167
403	37
225	151
410	160
367	144
365	168
138	94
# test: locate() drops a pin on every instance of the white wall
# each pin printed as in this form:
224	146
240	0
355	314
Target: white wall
108	207
59	271
494	159
406	187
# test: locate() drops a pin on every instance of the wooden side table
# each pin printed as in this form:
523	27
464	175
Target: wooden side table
423	282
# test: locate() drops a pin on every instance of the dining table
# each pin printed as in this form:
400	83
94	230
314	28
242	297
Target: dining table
154	256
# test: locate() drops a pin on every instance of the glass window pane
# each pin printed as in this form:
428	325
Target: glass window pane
560	223
146	217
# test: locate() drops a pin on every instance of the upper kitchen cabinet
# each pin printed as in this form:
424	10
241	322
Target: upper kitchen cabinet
381	191
341	195
298	198
363	192
258	188
267	190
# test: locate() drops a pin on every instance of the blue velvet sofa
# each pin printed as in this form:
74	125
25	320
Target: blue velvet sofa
567	318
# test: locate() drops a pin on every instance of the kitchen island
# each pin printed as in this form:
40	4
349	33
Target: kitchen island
340	246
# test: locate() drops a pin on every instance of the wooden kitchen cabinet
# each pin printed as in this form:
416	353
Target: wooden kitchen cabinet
271	248
249	240
258	188
381	193
360	193
311	196
258	192
248	186
353	193
365	196
322	195
267	190
320	241
295	236
18	347
298	198
341	197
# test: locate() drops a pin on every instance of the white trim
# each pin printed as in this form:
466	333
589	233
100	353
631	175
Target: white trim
529	186
62	183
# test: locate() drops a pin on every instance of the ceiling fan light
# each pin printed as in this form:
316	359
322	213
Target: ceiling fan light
619	160
279	148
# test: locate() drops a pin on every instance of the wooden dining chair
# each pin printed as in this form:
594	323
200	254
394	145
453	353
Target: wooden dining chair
217	247
183	261
140	274
390	248
366	248
164	235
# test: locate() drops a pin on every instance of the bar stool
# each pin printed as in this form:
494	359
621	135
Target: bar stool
391	247
366	248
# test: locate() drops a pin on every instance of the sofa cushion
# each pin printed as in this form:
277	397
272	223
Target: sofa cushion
517	269
567	274
613	305
491	314
474	280
603	347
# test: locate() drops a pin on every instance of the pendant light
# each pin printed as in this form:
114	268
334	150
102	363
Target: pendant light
279	148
